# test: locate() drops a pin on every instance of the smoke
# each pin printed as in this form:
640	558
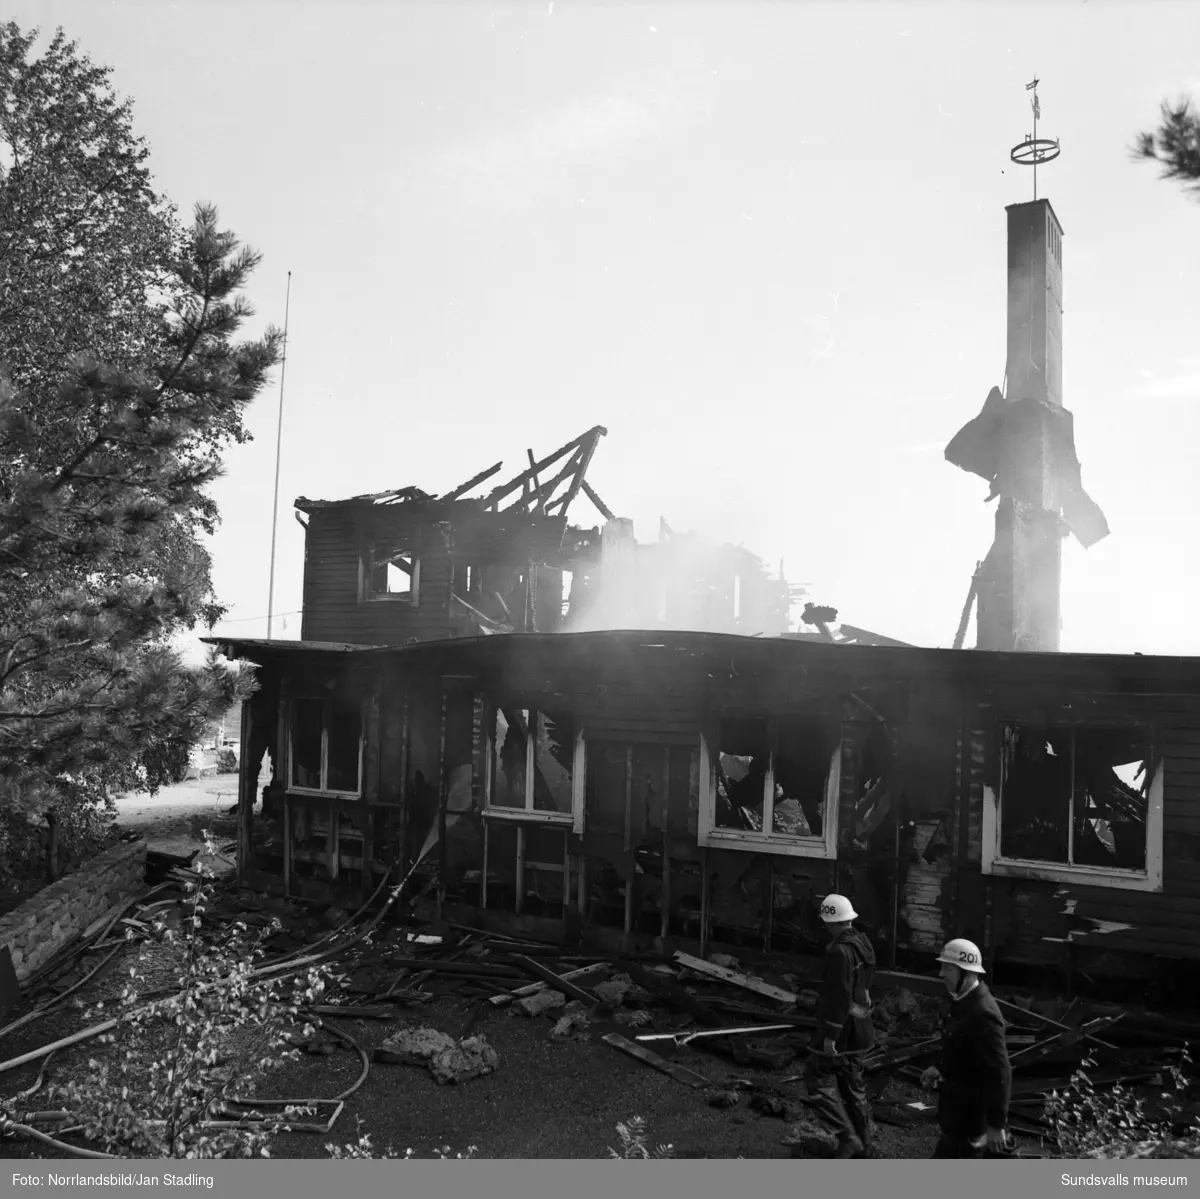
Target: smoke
682	582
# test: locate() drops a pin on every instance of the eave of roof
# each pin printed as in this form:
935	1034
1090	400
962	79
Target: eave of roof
896	658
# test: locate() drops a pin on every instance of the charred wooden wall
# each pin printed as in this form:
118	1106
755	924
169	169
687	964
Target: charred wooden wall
931	725
447	539
1075	927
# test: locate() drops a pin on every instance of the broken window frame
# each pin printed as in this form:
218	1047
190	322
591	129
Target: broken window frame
368	593
709	834
993	862
326	703
529	814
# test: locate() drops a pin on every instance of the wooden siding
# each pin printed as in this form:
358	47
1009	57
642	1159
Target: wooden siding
666	692
1036	921
445	540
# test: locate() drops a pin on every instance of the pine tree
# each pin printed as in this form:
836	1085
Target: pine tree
1175	144
120	383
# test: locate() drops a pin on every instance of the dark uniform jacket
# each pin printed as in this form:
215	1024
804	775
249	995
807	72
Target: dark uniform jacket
844	1010
976	1074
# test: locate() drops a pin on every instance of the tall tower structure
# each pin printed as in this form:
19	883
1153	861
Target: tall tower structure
1023	440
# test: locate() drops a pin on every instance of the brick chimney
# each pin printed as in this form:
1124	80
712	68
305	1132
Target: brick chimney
1023	444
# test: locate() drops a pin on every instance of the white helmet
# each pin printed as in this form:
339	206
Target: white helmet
836	908
964	954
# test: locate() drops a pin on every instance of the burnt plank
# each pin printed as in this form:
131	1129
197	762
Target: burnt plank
555	981
679	1073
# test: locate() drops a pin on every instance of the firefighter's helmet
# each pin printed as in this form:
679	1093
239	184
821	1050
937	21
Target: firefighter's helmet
964	954
836	908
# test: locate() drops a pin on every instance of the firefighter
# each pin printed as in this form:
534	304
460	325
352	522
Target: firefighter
836	1086
975	1079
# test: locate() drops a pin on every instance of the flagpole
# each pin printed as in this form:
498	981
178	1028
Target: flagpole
1035	117
287	304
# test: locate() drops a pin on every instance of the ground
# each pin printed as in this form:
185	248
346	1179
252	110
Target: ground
173	820
549	1097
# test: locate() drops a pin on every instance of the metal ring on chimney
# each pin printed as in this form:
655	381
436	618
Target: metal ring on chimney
1034	151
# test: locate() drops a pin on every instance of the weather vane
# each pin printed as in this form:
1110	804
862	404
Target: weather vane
1034	150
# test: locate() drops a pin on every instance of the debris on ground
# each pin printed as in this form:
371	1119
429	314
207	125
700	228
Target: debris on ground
413	1046
807	1138
681	1013
575	1017
614	991
771	1102
468	1059
638	1018
541	1002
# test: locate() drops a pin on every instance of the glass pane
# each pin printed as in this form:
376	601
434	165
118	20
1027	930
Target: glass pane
741	773
345	726
801	770
555	761
1112	790
1035	800
509	773
306	743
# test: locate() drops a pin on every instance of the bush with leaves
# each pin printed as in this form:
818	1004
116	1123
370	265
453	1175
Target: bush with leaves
634	1145
363	1149
1117	1122
175	1062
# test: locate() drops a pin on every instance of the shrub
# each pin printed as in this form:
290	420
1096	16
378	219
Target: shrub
227	761
363	1148
1119	1123
177	1061
633	1143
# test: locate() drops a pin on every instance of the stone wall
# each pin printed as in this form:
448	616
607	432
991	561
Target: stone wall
42	925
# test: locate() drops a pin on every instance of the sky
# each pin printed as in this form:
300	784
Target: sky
763	244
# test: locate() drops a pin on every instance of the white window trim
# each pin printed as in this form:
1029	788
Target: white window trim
1150	879
326	709
708	834
528	814
367	596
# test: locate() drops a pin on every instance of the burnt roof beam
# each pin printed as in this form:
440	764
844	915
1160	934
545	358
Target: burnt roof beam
473	482
548	489
584	462
502	492
601	507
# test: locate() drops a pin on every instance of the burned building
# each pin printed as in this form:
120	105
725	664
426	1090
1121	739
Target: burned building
403	566
590	738
702	786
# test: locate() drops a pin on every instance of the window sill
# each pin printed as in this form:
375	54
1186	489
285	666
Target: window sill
389	599
525	816
1084	876
749	842
313	793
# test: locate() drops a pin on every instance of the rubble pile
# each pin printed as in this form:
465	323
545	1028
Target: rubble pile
738	1036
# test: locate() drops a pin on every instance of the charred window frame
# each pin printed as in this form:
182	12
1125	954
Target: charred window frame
325	746
1078	802
771	785
468	581
536	766
391	571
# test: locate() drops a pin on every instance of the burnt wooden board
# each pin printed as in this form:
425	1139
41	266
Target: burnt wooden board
679	1073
